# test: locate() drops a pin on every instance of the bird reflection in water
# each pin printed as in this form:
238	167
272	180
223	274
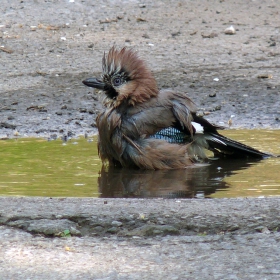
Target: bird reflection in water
192	182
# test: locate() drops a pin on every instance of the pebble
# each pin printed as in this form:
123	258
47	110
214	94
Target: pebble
213	94
230	30
153	230
98	228
82	110
113	230
265	76
117	223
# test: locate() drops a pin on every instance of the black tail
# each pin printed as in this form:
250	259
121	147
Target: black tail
225	147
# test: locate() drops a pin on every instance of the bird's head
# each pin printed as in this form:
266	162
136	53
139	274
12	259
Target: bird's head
125	77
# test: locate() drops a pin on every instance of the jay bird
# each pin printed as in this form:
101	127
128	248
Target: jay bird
147	128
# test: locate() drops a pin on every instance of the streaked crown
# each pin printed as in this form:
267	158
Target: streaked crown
126	74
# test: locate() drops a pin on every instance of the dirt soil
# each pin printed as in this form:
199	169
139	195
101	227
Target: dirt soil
47	47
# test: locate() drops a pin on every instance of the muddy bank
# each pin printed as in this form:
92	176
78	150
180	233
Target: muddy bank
49	47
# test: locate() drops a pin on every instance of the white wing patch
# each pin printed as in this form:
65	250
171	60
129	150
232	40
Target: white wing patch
198	127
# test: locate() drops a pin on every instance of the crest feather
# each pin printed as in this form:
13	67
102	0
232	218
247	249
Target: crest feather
141	84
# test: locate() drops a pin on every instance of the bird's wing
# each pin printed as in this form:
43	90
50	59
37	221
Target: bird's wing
184	110
168	109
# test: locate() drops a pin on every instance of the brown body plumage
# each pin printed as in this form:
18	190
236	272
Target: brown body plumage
136	110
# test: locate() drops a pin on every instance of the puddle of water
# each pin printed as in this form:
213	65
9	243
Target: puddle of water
36	167
263	177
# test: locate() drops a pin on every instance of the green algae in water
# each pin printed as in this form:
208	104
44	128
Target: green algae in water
36	167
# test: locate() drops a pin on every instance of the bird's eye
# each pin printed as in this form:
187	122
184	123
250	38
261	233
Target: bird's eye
117	81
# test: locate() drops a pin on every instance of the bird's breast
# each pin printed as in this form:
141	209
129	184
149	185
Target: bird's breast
110	141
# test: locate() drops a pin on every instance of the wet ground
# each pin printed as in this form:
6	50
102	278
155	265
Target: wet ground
48	47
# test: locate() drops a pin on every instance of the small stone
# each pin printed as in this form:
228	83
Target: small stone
52	227
4	137
7	125
153	230
74	231
174	34
265	230
131	223
265	76
98	228
82	110
113	230
140	19
209	36
259	228
213	94
230	30
53	136
275	271
117	223
233	228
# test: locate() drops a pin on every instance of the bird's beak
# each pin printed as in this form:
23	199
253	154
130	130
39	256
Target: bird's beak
95	83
